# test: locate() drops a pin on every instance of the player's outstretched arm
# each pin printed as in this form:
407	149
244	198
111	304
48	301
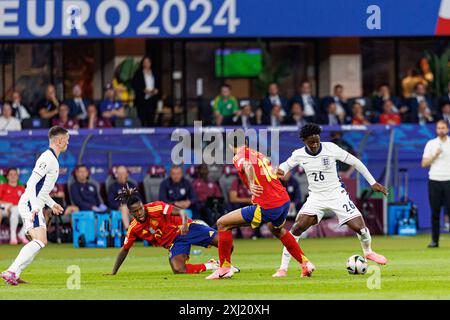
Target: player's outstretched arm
353	161
120	259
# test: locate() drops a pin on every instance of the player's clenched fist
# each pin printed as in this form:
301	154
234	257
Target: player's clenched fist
57	209
380	188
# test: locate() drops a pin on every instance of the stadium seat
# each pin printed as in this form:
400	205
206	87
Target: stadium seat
35	123
128	122
302	180
226	180
152	181
191	173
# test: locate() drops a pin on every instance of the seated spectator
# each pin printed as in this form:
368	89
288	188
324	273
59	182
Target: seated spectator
20	110
445	112
63	120
93	120
358	115
423	115
78	105
331	117
419	95
296	116
10	194
121	181
84	194
245	117
344	170
239	196
204	189
110	108
271	100
7	121
293	190
383	94
178	191
389	116
225	106
340	101
309	103
47	108
276	116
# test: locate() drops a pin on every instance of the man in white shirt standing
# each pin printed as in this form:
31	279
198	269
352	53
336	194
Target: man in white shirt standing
32	202
437	156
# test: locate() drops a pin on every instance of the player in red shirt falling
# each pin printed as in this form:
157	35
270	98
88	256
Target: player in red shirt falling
271	206
164	225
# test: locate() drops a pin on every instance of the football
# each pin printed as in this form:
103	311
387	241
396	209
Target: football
356	265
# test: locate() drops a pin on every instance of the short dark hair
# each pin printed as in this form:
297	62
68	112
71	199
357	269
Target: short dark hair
310	129
442	121
56	131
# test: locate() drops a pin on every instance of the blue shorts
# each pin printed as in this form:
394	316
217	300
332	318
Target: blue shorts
255	215
199	235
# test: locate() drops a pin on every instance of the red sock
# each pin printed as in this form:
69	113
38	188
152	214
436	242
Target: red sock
292	246
195	268
225	247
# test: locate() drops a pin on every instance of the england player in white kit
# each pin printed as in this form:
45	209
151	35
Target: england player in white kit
326	193
32	202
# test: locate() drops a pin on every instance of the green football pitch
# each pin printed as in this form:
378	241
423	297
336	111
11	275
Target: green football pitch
413	272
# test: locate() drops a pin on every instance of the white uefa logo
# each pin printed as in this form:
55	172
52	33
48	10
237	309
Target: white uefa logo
73	21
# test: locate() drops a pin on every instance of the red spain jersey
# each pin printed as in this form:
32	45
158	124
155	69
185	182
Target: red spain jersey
11	194
160	228
274	194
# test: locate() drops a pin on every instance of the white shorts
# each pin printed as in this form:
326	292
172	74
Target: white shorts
338	202
25	214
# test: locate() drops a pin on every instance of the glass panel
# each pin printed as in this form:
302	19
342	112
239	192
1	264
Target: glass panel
79	62
32	70
378	64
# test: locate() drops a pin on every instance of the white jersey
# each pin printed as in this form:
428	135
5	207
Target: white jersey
47	171
321	169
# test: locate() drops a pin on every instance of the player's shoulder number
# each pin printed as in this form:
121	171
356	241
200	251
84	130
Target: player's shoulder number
267	169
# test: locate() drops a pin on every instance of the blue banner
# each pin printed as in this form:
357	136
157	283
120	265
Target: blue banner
54	19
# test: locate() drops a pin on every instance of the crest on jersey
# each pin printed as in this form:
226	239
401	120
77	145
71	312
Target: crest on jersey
325	161
42	166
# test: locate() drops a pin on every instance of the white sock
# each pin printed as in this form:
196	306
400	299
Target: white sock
366	240
209	266
286	256
13	223
26	256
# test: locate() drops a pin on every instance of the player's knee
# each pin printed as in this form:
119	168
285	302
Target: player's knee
221	225
179	269
297	229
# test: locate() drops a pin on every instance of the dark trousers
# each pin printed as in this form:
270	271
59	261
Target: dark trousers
439	195
146	111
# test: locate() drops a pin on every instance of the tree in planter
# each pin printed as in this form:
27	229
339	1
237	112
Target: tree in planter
439	66
271	73
124	74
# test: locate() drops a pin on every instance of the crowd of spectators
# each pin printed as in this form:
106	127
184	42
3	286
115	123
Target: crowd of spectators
383	108
273	109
